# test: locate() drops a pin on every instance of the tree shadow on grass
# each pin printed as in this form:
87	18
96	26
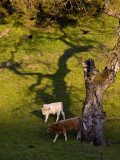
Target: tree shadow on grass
60	87
60	92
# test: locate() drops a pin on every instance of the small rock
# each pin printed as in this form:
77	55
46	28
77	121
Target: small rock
30	146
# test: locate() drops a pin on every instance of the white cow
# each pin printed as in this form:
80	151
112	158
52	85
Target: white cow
53	108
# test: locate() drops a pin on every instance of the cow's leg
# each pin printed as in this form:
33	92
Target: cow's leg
63	114
56	136
58	115
64	132
78	134
46	117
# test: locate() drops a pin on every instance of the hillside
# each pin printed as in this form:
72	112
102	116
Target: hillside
48	68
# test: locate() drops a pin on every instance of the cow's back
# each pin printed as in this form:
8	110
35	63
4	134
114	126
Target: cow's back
69	124
56	106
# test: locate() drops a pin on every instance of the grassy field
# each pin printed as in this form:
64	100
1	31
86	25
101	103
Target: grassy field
48	68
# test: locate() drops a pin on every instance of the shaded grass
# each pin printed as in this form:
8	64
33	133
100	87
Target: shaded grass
31	141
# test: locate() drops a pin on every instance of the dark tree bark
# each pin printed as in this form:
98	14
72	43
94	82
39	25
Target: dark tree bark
96	83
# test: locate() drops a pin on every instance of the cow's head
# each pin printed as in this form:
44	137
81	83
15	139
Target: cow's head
45	107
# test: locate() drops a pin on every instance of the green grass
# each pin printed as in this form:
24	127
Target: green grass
47	69
31	141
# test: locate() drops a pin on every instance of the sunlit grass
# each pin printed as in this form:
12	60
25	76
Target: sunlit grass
45	69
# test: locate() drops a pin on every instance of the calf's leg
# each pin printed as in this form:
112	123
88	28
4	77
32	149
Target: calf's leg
58	115
56	136
46	117
64	132
78	134
63	114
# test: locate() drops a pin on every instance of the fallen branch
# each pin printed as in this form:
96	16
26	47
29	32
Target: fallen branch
114	141
5	31
113	118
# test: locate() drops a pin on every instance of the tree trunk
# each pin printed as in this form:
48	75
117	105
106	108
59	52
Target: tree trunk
96	83
93	116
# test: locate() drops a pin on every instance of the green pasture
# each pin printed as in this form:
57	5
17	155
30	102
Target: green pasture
46	69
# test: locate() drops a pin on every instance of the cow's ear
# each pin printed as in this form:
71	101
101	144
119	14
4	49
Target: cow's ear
43	106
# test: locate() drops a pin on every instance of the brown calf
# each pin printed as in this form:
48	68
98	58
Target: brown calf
64	125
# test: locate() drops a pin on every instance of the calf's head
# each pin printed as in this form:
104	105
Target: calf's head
50	128
45	109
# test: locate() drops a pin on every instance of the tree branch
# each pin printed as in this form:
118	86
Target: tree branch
110	70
